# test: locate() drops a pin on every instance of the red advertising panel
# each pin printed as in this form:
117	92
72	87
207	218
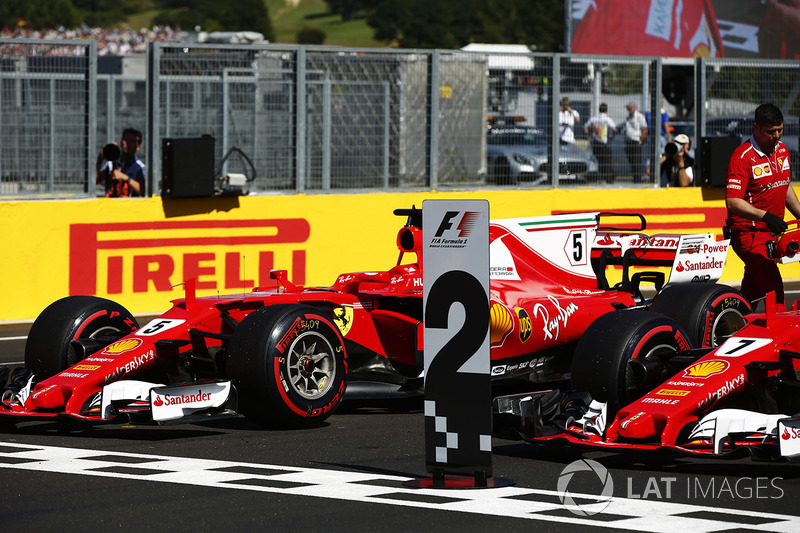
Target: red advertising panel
685	28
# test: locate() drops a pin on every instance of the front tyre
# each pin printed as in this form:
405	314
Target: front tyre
623	355
709	313
289	365
48	350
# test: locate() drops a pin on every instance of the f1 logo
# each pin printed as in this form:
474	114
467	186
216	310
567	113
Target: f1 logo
464	227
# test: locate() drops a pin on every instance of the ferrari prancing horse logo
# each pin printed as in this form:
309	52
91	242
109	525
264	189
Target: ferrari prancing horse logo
343	318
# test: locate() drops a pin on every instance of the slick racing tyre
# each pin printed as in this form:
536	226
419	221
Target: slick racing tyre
708	313
623	355
49	350
289	365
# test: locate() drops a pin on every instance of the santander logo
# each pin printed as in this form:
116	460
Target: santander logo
183	399
790	433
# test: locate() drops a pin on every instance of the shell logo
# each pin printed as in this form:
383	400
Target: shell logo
705	369
501	323
757	171
122	346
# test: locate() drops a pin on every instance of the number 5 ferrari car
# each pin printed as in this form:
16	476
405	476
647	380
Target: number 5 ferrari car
287	355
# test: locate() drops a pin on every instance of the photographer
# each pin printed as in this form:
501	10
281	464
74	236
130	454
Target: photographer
676	163
122	175
567	118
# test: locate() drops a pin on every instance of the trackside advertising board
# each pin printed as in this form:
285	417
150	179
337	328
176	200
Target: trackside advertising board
458	426
683	28
138	251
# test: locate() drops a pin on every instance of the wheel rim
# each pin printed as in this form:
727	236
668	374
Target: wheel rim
311	365
103	330
725	325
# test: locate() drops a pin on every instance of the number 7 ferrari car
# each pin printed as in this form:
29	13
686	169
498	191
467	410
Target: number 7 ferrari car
286	355
639	383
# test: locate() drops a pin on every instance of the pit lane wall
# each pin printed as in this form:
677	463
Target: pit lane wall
138	251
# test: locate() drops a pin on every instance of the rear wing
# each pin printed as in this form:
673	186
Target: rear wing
582	246
693	258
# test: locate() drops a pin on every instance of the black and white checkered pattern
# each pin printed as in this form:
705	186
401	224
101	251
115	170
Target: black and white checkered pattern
516	502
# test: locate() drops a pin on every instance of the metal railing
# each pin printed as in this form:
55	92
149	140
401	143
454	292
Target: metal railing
318	119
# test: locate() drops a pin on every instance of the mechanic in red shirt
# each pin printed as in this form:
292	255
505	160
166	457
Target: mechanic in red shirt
757	194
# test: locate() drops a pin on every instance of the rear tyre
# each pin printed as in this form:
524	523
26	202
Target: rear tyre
48	350
623	355
289	365
708	313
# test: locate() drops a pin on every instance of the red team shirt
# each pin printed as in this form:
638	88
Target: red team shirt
759	179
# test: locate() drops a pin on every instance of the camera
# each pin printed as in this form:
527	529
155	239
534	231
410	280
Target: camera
111	152
672	148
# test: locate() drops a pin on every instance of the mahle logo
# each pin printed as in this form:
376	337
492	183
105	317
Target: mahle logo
585	469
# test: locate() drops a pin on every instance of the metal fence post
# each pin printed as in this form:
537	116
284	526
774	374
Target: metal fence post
699	115
91	117
326	131
152	105
655	120
387	116
554	141
433	119
300	119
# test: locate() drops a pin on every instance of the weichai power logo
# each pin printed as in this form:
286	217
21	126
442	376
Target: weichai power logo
221	254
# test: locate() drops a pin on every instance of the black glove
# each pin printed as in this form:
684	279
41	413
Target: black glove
775	223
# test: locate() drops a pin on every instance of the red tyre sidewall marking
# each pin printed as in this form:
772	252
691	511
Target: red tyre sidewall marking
88	321
277	370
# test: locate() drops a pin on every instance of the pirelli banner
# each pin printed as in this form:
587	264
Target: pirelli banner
458	398
138	251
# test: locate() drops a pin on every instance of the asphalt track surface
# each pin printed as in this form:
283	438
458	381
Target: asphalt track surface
349	475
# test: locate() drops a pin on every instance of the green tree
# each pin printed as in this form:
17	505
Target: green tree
349	9
212	15
425	23
39	14
101	12
310	35
536	23
454	23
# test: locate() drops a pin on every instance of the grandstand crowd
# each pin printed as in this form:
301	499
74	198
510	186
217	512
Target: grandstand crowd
109	41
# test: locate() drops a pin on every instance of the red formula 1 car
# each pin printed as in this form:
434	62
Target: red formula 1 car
639	383
287	355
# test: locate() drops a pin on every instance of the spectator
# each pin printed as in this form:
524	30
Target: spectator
600	128
757	193
676	163
124	177
109	41
567	118
635	128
